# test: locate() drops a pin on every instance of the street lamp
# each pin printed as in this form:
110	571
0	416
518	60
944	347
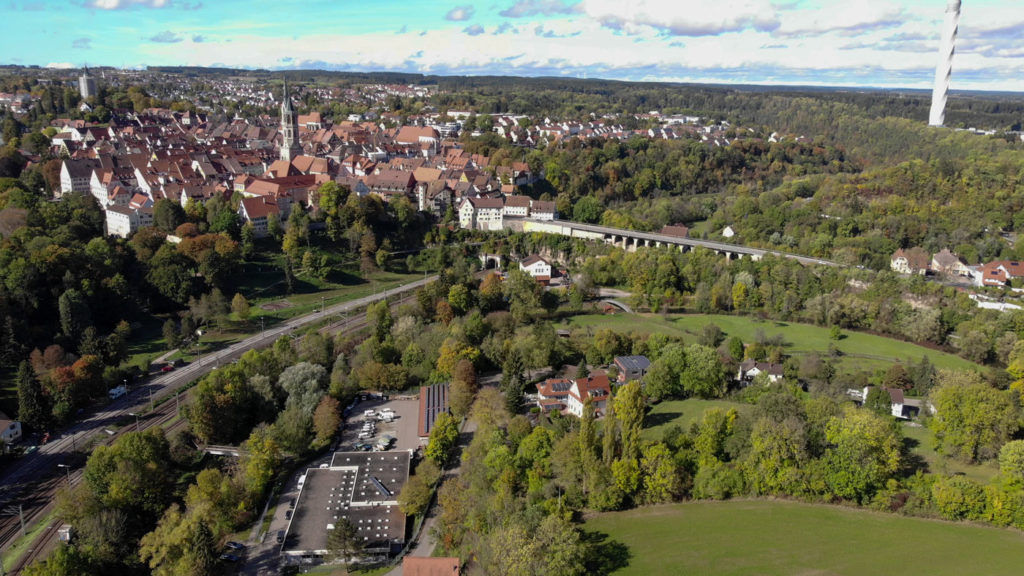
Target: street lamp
66	469
136	420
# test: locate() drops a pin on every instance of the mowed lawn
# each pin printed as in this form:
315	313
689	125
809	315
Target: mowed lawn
861	350
684	413
787	538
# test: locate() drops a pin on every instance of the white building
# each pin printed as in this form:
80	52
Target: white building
481	213
76	175
257	211
540	210
596	387
536	266
122	220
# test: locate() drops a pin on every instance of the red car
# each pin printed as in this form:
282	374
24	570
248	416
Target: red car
167	368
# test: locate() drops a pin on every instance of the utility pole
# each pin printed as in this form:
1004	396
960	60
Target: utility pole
177	406
21	515
66	469
263	329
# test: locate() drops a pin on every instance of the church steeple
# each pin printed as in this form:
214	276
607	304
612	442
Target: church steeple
290	147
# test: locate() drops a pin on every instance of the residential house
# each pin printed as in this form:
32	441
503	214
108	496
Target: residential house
597	387
899	406
949	264
537	267
542	210
122	221
749	369
517	206
10	430
912	261
434	197
481	213
999	273
390	184
553	394
76	175
257	210
631	368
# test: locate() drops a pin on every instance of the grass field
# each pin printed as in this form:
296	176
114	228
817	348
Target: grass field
787	538
860	350
683	412
923	445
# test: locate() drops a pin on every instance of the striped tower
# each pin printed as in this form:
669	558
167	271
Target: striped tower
944	70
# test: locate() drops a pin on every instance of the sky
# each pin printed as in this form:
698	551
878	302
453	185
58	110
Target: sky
855	43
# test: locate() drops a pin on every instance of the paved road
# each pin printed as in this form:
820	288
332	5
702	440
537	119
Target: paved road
19	481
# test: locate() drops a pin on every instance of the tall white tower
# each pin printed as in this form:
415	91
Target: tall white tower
290	146
944	69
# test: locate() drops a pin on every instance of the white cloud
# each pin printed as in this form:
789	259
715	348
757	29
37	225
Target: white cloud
460	13
901	56
61	65
533	7
692	18
118	4
841	16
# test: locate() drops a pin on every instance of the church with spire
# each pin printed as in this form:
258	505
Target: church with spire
290	146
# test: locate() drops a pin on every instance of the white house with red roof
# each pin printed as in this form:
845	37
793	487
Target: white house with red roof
999	273
257	211
597	387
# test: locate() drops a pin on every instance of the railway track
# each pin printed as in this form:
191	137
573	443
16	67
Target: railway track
42	492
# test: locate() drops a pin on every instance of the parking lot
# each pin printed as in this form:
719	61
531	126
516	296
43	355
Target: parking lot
402	427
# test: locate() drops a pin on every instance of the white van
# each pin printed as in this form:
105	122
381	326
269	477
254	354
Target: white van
302	480
364	435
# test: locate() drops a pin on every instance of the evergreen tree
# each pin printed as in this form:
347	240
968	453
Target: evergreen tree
32	409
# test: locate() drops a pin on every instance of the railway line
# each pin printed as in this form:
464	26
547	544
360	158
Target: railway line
35	485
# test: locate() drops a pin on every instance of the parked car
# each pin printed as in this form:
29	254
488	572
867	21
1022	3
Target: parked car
235	545
229	557
324	466
288	515
280	536
369	413
364	435
167	368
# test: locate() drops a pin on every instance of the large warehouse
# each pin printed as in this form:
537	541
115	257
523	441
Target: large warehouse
362	487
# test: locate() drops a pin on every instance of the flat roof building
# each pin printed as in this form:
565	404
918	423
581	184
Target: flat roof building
361	487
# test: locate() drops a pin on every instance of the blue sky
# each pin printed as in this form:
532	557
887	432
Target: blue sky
885	43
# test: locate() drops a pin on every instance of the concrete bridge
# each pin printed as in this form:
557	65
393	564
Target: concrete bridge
222	450
633	239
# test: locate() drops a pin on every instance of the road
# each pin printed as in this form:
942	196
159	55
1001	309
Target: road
26	481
